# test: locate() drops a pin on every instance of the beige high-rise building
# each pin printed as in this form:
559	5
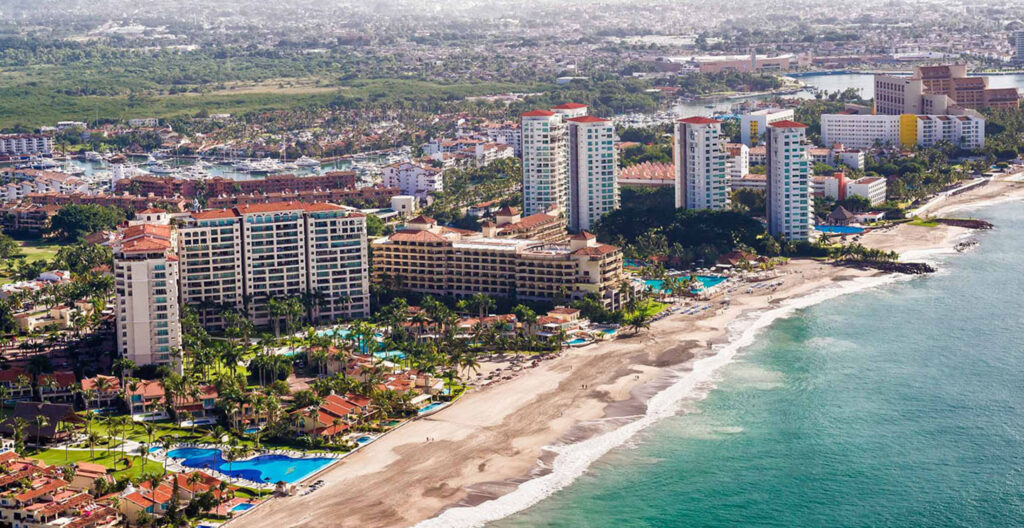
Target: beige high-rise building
147	311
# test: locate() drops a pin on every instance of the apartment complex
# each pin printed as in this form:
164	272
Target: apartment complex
413	179
238	258
25	145
428	258
788	200
593	171
700	160
754	124
545	162
147	311
569	164
253	253
907	130
837	187
940	90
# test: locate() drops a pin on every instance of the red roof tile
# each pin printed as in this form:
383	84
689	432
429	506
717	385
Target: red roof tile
588	119
698	120
538	113
787	124
570	106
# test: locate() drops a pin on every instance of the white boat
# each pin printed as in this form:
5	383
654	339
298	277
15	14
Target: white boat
263	166
92	155
306	161
162	169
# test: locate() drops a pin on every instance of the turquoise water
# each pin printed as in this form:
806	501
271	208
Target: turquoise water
901	406
390	355
577	341
839	229
242	506
264	468
431	407
707	280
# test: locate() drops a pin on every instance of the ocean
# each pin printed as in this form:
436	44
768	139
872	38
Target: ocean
899	405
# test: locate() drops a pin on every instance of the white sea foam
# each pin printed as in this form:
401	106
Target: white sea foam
572	460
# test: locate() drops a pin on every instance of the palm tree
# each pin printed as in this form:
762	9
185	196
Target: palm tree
19	433
41	421
92	439
66	428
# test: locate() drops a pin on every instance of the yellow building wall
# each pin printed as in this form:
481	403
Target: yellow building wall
908	130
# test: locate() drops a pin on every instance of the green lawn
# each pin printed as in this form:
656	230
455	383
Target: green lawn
104	457
651	307
34	250
920	222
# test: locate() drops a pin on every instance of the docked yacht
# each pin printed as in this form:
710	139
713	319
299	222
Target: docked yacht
306	161
162	169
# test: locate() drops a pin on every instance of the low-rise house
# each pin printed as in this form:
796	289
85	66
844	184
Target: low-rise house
332	417
18	384
57	387
101	392
147	396
200	408
86	474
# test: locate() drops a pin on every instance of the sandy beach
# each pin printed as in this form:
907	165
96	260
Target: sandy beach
494	437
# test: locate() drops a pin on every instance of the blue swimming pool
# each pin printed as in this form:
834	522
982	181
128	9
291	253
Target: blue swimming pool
155	449
390	355
707	280
264	468
363	440
577	341
251	430
431	407
844	230
241	507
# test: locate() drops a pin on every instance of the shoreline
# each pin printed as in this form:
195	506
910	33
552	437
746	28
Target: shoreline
505	447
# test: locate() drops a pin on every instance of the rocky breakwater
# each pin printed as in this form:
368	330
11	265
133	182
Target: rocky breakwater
905	268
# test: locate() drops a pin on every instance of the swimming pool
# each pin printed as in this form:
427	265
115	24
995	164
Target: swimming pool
264	468
390	355
432	407
609	331
155	449
242	506
577	341
251	430
364	440
843	230
708	281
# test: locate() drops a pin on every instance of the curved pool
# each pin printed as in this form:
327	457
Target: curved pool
264	468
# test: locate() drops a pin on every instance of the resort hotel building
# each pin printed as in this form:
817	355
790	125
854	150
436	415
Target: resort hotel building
240	258
570	165
906	130
700	163
945	89
428	258
788	200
